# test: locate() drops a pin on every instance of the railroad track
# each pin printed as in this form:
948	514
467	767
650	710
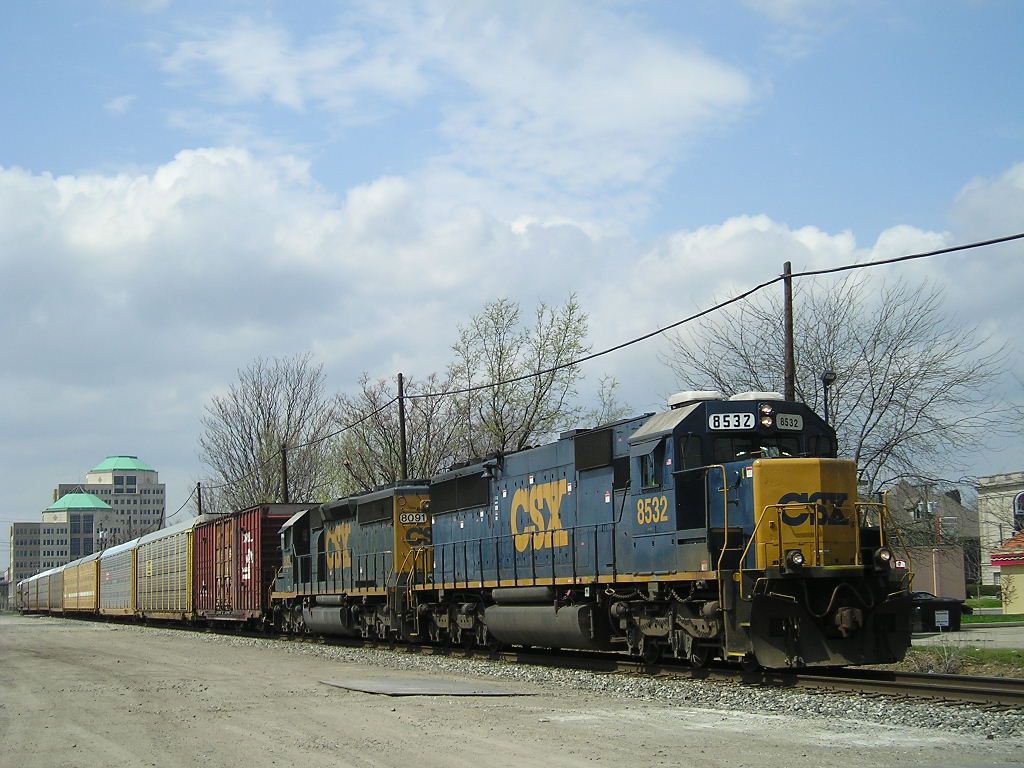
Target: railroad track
990	692
995	693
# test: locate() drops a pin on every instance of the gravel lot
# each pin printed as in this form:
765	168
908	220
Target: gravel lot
89	695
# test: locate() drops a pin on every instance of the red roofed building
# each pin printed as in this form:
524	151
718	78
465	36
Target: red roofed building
1009	558
1001	514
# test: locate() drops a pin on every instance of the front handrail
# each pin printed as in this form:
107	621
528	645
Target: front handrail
811	511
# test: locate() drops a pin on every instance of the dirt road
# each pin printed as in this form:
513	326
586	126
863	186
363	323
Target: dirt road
94	695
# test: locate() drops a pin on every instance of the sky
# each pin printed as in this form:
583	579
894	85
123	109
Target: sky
187	186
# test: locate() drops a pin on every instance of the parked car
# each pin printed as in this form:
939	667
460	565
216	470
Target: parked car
932	613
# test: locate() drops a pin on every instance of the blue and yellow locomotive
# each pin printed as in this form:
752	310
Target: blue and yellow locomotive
722	528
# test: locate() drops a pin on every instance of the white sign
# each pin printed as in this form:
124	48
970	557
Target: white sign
942	618
731	421
414	518
791	421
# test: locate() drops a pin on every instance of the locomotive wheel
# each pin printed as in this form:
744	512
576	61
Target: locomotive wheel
298	624
699	656
650	650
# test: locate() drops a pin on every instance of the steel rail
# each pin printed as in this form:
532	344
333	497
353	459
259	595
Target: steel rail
994	692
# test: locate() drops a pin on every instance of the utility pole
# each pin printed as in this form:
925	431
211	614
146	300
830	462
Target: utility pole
790	364
199	498
401	429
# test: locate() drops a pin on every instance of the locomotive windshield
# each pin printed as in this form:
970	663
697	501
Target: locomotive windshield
733	447
736	447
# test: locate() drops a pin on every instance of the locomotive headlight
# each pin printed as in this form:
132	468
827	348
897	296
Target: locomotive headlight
767	409
883	556
767	421
794	559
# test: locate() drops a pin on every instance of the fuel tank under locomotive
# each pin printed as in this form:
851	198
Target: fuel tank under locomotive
530	616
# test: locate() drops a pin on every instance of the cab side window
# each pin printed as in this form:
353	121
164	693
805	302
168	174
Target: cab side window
651	459
690	453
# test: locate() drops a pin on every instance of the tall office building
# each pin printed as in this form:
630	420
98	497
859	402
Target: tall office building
25	551
122	498
134	493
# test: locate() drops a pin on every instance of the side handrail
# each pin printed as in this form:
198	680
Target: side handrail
884	525
724	490
450	555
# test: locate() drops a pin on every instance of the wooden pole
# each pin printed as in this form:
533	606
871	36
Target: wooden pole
790	363
401	429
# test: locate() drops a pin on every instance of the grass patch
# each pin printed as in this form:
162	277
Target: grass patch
984	602
993	618
952	657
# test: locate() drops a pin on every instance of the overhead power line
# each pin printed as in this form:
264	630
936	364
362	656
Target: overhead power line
636	340
715	308
939	252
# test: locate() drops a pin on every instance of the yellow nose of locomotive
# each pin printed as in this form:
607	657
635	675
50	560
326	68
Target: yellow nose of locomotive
805	513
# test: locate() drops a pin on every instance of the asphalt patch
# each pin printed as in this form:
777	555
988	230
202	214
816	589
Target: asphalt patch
415	687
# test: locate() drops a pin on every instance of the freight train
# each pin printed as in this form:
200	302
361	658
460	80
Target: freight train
722	528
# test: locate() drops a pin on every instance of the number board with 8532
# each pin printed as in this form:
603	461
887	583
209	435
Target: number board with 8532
744	421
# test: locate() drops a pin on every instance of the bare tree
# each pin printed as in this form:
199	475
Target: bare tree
912	390
609	407
368	453
494	348
275	404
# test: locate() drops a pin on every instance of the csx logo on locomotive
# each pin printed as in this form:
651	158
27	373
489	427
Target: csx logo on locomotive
828	506
541	503
338	553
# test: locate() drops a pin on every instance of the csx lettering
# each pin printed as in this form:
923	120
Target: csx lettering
542	504
823	502
338	553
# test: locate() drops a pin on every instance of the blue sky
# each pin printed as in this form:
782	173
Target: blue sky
187	185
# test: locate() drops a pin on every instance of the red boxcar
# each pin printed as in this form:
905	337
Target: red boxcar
237	556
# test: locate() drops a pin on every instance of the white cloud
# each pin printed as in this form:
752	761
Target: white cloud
800	25
120	105
540	110
989	208
798	12
575	96
241	255
259	60
150	289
